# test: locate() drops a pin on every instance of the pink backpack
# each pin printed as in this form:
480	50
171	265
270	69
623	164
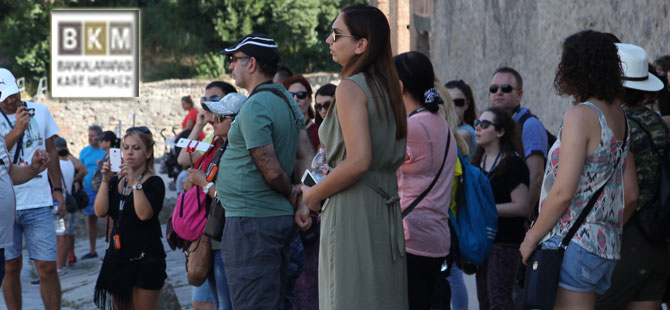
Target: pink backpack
189	215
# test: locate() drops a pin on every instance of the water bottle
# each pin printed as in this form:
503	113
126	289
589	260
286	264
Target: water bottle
59	223
319	166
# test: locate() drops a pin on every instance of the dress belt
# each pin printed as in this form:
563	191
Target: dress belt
397	237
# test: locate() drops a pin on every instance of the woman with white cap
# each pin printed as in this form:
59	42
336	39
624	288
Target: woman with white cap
585	164
222	114
642	274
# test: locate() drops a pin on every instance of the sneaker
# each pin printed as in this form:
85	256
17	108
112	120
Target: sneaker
90	255
35	282
71	259
60	271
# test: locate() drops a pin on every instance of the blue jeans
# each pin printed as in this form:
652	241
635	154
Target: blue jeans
218	283
38	227
459	292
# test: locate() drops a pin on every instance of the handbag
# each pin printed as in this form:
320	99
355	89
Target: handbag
544	265
215	220
198	261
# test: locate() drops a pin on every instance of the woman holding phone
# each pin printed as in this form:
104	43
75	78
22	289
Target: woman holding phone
133	270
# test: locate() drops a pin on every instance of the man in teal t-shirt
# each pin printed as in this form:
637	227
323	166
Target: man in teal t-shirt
89	156
254	185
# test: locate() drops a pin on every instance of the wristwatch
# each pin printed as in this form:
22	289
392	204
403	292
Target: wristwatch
137	186
207	187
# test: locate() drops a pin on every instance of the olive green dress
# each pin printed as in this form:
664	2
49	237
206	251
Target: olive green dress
362	255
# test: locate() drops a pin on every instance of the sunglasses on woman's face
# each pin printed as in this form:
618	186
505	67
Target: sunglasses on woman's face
483	124
459	102
221	118
505	88
323	105
210	99
299	94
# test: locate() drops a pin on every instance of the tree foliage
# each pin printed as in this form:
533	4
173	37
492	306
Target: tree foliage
180	38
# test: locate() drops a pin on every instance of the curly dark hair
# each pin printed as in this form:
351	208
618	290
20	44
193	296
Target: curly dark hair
589	67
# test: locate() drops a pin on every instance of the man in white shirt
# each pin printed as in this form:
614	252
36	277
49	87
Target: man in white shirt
11	175
28	127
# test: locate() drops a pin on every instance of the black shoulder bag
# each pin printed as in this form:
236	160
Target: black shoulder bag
430	187
544	265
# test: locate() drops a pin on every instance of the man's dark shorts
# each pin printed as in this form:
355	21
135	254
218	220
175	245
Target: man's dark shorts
256	253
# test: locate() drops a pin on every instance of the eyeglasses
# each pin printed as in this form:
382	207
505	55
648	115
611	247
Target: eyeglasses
459	102
221	118
211	98
505	88
299	94
232	59
142	129
323	105
334	36
484	124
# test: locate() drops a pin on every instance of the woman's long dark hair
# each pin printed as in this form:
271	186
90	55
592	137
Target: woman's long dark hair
510	143
470	114
368	22
417	76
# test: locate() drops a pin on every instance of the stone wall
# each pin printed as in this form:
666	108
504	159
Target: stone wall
158	107
471	38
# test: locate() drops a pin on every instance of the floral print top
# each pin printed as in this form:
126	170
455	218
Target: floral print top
601	231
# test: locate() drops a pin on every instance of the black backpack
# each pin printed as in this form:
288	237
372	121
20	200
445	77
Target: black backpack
654	218
550	137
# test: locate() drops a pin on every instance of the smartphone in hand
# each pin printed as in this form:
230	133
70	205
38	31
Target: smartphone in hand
308	179
115	159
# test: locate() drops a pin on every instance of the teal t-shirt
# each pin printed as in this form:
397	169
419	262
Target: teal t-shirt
264	119
89	156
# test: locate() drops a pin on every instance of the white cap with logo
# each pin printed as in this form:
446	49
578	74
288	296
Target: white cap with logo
8	85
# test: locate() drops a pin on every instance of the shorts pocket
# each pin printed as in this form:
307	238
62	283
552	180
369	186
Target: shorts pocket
590	267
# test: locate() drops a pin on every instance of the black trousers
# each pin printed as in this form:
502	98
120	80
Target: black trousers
421	274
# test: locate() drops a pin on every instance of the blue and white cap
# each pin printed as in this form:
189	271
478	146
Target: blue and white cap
257	45
230	104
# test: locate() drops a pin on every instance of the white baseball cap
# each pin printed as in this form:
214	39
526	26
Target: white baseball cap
8	85
230	104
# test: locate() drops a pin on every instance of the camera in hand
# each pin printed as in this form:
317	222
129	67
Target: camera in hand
31	111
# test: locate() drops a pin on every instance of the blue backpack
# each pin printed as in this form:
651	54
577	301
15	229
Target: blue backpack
475	222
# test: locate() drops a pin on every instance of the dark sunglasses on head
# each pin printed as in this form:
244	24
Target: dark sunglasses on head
299	94
211	98
505	88
484	124
142	129
459	102
323	105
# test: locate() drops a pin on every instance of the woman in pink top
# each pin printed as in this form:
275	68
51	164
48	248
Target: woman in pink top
427	237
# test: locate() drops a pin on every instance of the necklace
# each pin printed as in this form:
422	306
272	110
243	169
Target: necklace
123	191
495	161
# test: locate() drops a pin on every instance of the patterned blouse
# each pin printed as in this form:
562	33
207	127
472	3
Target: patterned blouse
601	231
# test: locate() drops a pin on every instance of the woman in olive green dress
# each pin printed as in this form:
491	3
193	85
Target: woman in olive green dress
362	254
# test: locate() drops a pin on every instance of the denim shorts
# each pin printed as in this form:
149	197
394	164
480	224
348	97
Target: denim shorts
38	227
581	270
91	200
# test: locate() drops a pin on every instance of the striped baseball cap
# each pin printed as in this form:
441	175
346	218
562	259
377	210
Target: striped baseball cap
257	45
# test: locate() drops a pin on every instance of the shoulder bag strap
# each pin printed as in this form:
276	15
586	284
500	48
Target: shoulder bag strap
280	95
423	195
582	216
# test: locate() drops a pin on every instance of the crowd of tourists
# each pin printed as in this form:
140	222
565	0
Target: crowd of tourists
387	151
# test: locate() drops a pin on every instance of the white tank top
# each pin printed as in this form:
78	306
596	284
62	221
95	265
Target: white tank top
67	171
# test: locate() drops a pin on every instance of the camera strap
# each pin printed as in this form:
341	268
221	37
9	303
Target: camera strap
19	142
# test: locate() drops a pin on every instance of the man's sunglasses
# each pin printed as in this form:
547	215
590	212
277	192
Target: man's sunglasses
213	98
484	124
320	106
459	102
299	94
142	129
505	88
334	36
232	59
